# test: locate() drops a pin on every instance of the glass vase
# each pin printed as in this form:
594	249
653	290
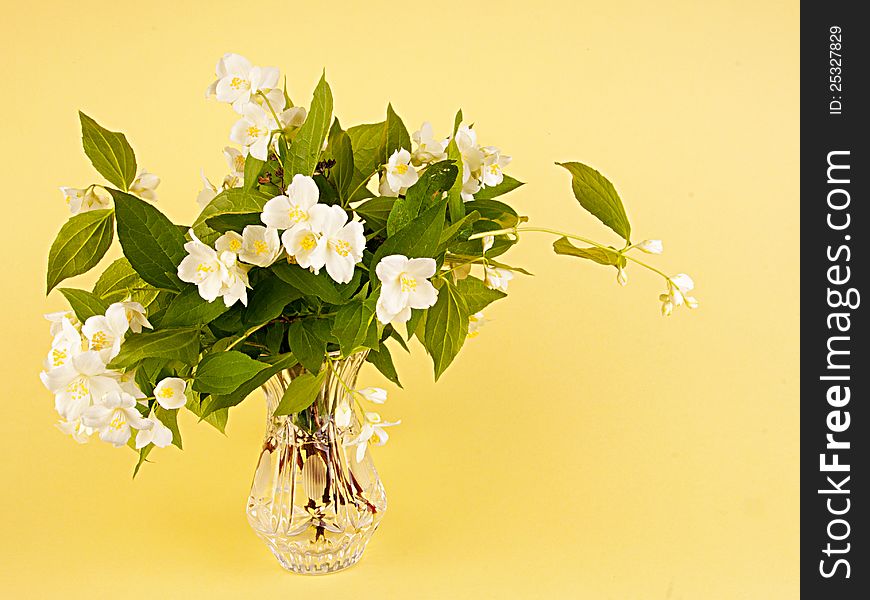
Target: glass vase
311	501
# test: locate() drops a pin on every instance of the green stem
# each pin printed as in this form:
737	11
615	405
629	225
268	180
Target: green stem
269	104
246	334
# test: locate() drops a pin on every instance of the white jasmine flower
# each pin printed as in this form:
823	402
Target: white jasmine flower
85	200
66	343
466	143
651	246
202	267
145	185
229	242
469	188
127	383
497	279
236	163
372	427
158	434
207	193
78	383
342	242
304	246
429	149
113	416
235	283
404	286
169	393
135	314
238	81
254	130
260	245
475	322
56	320
106	332
291	211
76	429
373	394
343	415
400	175
292	118
493	164
679	287
621	276
487	242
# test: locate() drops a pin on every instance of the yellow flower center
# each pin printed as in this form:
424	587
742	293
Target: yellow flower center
99	340
166	392
238	83
78	388
203	268
261	247
58	357
341	247
401	169
408	283
253	131
308	242
235	245
297	215
239	162
118	420
493	169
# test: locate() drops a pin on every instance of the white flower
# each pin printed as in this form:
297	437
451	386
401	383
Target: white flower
169	393
304	246
487	242
651	246
145	185
80	201
292	118
76	429
253	131
621	276
260	245
208	191
238	81
78	383
472	155
493	164
136	316
475	322
236	163
679	287
373	427
106	332
229	242
202	267
158	434
235	283
343	415
400	175
56	320
497	279
404	286
113	416
373	394
291	211
67	342
429	149
127	383
469	188
342	242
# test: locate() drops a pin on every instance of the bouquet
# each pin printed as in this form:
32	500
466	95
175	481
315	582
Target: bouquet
322	242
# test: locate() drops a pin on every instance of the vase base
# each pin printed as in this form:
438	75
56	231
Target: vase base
310	563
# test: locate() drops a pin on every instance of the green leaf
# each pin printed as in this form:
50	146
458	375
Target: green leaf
224	372
369	147
351	326
457	121
342	152
152	244
419	239
234	201
188	309
308	348
79	246
597	195
375	212
383	361
437	179
117	281
495	211
181	343
301	393
170	419
446	328
476	295
603	256
216	417
448	234
225	401
143	454
397	134
416	323
508	184
454	195
229	222
84	304
253	168
268	299
305	149
309	284
109	152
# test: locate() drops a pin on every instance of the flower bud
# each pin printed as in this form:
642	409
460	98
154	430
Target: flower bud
651	246
621	276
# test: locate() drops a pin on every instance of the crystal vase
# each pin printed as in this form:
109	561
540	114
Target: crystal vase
311	501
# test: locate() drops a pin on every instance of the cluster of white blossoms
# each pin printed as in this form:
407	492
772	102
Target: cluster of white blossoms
482	166
217	271
679	287
372	423
254	94
88	396
315	235
90	198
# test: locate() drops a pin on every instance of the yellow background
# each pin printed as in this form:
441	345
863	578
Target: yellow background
582	446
